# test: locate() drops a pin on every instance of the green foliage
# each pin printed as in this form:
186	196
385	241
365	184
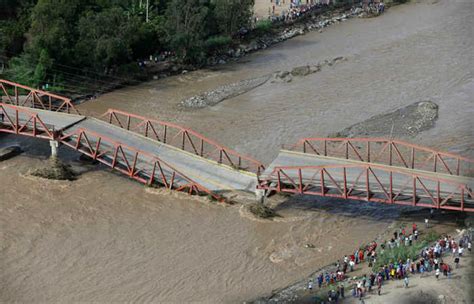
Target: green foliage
431	237
404	252
46	40
232	15
186	21
106	46
399	253
263	26
215	44
42	66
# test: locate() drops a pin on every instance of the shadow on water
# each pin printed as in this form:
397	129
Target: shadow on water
369	210
40	149
349	208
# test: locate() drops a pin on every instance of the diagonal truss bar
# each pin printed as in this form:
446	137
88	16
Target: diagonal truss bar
388	152
182	138
20	121
12	93
423	190
139	165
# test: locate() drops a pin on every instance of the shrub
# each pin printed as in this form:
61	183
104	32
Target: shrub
263	26
404	252
216	44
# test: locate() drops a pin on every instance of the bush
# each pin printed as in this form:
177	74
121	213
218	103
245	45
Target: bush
263	26
431	237
217	44
404	252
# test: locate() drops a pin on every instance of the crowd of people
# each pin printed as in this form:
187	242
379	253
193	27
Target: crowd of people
430	260
297	8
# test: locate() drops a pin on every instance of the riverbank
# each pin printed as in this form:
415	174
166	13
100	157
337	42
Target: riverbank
427	290
105	238
256	40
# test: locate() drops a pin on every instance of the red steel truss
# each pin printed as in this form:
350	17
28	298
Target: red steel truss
23	122
184	139
371	182
139	165
20	95
388	152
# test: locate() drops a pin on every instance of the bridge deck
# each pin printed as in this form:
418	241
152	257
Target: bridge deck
210	174
402	178
57	120
294	159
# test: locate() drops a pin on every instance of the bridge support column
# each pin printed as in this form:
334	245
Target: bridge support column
260	195
54	144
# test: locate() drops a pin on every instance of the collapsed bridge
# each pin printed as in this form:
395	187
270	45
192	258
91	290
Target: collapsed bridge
175	157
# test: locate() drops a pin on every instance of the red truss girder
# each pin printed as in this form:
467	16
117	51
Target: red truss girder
388	152
183	138
371	182
139	165
23	122
34	98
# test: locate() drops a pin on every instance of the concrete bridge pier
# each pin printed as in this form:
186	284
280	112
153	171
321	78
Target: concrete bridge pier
54	144
260	195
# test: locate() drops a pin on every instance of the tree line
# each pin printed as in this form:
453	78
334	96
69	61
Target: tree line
43	41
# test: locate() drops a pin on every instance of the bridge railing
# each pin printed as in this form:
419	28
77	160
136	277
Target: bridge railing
16	120
388	152
139	165
21	95
373	183
184	139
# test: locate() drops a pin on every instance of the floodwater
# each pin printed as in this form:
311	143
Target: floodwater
105	238
414	52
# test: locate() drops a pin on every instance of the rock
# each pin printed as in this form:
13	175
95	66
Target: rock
184	72
222	61
253	46
340	58
314	69
155	77
282	74
221	93
9	152
301	71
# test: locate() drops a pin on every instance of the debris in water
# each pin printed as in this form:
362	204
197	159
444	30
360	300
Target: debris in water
55	169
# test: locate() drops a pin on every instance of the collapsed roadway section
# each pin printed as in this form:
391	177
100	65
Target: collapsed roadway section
169	155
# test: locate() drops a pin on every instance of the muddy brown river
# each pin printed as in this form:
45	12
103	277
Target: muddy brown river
104	238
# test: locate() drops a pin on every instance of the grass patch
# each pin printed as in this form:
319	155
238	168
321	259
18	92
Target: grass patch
405	252
263	26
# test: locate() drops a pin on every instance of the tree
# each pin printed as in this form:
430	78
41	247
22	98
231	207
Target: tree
106	38
186	21
232	15
42	67
53	28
